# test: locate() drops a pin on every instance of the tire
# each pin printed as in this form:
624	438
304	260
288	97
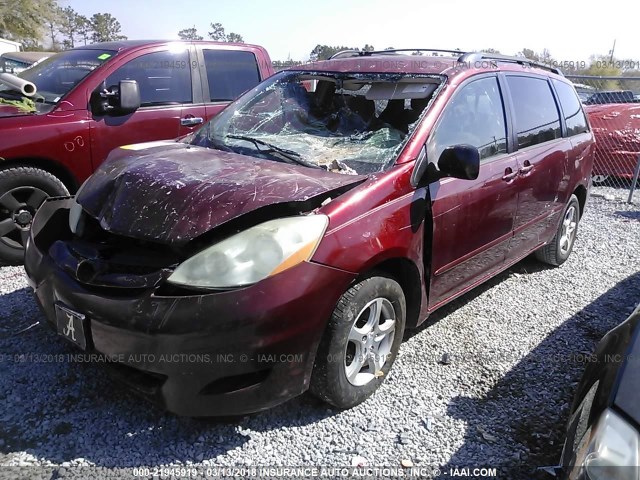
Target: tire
22	191
336	378
560	247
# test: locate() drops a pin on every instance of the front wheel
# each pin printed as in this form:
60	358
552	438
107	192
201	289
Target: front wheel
558	250
361	342
22	191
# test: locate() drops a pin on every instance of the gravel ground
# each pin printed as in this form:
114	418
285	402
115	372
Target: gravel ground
500	398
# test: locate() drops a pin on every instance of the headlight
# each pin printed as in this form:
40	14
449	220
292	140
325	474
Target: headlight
612	452
75	215
254	254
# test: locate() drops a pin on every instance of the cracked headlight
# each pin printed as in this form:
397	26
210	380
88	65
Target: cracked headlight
254	254
612	451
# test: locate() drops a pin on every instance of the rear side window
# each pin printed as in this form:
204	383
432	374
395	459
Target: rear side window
164	78
475	116
573	114
536	115
230	73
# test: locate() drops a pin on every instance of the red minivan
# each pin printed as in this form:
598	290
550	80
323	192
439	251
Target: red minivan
286	244
51	141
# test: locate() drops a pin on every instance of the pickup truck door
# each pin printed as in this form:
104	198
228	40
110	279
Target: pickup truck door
472	219
171	102
227	72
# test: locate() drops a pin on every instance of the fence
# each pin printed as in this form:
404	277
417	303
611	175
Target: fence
613	107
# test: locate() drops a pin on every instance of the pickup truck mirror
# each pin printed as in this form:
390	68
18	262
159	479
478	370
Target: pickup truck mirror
115	101
458	161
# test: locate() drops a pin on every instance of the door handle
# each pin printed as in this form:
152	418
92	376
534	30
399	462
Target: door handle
526	169
509	174
191	121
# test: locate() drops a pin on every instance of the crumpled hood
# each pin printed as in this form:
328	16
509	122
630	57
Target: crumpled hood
172	193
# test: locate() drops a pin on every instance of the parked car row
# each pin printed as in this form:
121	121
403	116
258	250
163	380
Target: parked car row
616	128
16	62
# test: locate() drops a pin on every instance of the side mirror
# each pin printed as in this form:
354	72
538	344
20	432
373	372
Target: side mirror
115	101
460	161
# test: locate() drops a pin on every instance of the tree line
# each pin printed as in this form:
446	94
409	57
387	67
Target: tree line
36	22
31	22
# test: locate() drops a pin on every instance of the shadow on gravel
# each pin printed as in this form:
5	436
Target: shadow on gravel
530	411
58	409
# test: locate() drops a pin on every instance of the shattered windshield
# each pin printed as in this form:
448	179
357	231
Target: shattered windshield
346	123
57	75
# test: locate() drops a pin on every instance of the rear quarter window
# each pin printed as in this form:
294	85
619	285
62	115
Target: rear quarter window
230	73
536	114
572	108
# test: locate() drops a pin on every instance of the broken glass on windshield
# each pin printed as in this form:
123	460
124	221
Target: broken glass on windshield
346	123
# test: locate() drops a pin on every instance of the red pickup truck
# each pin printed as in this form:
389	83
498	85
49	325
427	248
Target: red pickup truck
92	99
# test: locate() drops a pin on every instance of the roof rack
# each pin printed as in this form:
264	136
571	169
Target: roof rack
367	53
395	50
464	57
476	56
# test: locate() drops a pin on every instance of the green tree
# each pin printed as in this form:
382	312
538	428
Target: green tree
25	19
235	38
70	23
105	28
84	28
491	50
368	48
217	33
189	34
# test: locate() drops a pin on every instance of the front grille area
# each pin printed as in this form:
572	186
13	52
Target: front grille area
100	259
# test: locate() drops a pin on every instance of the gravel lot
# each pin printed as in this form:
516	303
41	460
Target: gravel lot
501	399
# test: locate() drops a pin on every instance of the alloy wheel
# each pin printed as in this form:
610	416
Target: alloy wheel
370	341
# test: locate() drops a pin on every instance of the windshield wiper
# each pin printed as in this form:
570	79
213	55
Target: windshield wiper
287	154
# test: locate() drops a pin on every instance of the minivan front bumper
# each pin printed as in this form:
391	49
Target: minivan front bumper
199	354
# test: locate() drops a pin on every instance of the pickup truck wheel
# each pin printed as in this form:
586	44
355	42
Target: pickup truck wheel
22	191
360	343
558	250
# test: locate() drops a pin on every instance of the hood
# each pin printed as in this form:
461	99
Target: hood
11	111
173	193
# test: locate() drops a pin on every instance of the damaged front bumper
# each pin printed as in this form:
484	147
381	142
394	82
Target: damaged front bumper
195	354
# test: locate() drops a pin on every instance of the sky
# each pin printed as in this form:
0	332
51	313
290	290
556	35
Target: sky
572	31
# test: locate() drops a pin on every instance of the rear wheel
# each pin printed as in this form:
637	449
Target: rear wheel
558	250
361	342
22	191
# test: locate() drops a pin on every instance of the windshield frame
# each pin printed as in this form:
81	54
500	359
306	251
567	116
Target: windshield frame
207	130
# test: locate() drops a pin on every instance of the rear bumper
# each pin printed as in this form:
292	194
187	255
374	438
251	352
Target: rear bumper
222	353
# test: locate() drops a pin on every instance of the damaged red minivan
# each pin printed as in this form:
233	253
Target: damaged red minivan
288	243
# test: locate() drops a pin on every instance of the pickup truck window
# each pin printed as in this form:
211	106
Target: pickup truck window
537	117
573	114
230	73
475	117
164	77
57	75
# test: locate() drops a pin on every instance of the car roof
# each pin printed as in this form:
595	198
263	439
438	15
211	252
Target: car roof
132	44
452	63
26	56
